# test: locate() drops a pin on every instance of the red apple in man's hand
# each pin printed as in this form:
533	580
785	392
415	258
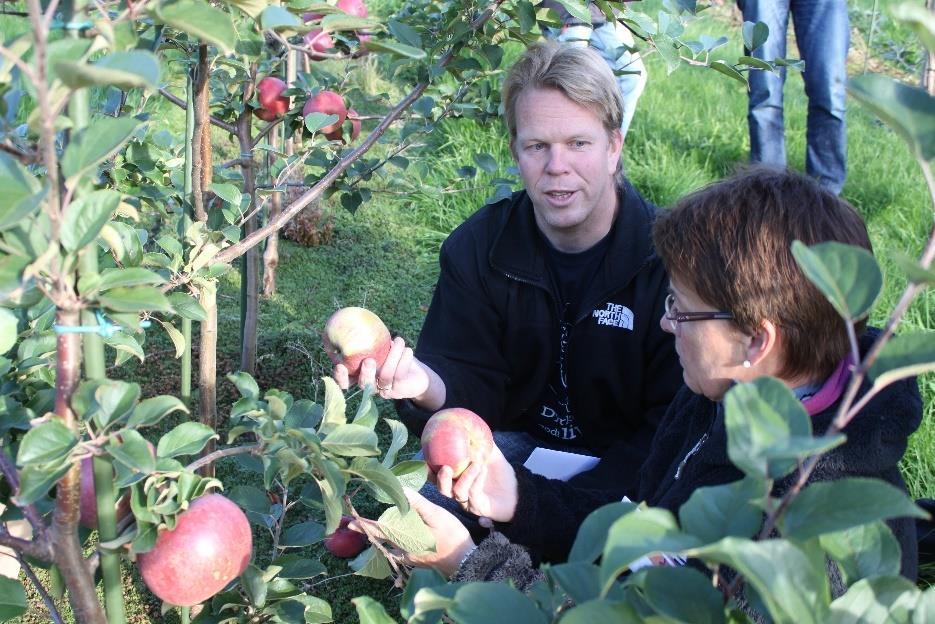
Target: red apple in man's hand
208	548
272	103
455	437
344	542
353	7
354	334
329	103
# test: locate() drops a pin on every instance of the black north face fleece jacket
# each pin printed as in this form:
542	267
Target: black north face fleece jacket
492	331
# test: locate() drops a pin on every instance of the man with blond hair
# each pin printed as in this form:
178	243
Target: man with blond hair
544	318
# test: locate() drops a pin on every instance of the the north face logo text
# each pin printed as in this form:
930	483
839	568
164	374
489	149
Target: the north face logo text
615	315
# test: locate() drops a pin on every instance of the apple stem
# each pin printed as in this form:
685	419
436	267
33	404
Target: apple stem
184	614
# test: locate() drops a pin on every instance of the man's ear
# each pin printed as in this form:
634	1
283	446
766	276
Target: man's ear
763	343
615	148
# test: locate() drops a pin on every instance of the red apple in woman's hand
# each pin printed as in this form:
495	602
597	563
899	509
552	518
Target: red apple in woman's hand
354	334
455	437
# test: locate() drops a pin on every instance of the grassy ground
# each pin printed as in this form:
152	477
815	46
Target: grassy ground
689	129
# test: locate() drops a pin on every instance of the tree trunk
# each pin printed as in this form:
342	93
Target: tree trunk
207	367
202	75
928	71
249	285
66	548
271	253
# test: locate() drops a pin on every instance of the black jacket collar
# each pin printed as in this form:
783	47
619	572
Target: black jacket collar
517	250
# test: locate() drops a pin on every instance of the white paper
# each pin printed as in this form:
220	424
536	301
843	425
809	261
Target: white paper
559	464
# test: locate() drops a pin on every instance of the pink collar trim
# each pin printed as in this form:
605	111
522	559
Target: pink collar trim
831	390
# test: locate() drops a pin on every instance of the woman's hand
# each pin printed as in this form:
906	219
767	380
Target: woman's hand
486	488
452	541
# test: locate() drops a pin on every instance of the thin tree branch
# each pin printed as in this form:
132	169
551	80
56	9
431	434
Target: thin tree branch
46	598
210	458
223	125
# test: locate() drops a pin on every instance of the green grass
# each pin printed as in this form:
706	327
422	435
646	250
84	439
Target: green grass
689	129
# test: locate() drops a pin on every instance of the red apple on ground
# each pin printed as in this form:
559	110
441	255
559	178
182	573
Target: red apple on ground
338	135
353	7
454	437
344	542
272	103
208	548
354	334
329	103
318	40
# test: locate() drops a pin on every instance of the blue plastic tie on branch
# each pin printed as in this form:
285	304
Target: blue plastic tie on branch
104	328
78	26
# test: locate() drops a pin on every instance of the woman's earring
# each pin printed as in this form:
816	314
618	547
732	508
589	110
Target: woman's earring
746	364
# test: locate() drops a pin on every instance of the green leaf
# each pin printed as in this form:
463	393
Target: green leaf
85	217
178	340
792	586
332	489
768	430
314	609
35	481
405	33
279	19
400	437
830	506
245	383
580	580
589	543
728	70
299	567
12	599
381	477
200	20
905	109
133	452
754	62
919	19
407	530
351	441
254	586
303	534
419	578
367	413
125	344
253	8
90	146
729	510
316	121
133	276
124	70
343	21
881	599
864	551
603	610
135	299
486	162
113	401
187	307
847	275
638	534
493	603
370	611
152	410
8	333
371	563
50	441
185	439
228	192
578	10
335	407
682	594
905	355
754	35
395	48
20	192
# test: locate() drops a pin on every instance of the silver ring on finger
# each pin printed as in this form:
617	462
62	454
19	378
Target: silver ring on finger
385	388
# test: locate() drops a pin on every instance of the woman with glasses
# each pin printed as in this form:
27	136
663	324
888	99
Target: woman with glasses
739	308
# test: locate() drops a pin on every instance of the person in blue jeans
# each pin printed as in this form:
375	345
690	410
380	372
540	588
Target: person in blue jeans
822	33
612	41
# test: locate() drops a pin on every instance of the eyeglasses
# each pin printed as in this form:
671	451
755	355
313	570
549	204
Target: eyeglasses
674	316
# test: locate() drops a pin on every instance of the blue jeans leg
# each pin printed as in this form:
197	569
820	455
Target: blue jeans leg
822	31
764	109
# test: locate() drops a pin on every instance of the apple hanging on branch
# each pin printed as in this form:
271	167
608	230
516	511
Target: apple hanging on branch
344	542
455	437
209	547
354	334
328	103
273	104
